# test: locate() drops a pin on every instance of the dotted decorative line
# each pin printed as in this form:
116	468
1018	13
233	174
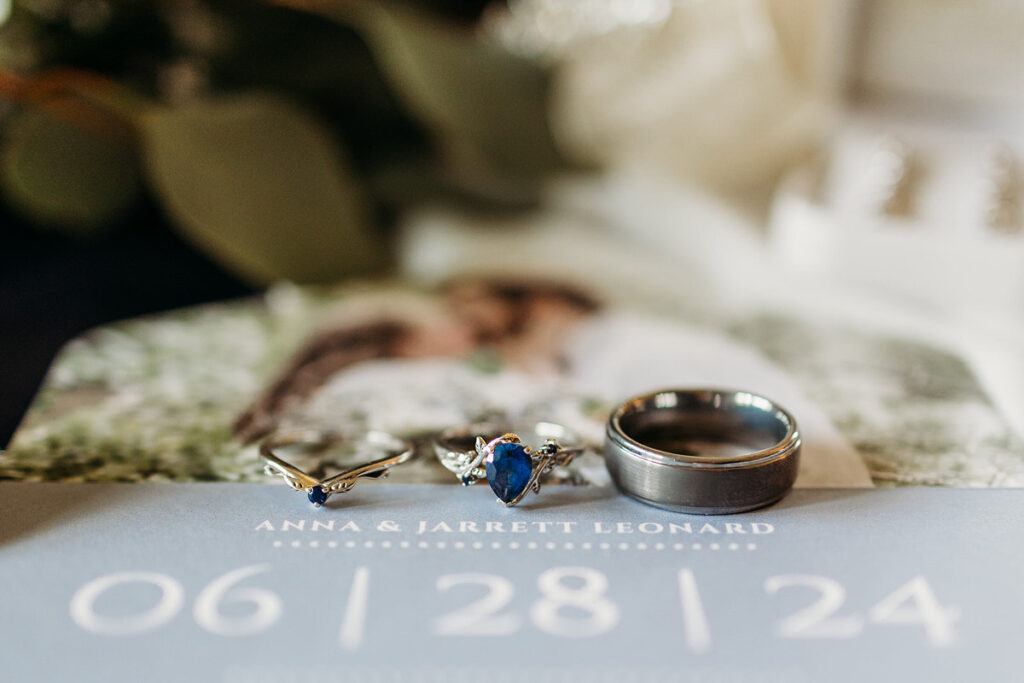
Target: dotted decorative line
516	545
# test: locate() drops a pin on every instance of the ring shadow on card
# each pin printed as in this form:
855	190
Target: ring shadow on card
561	495
364	497
30	508
831	501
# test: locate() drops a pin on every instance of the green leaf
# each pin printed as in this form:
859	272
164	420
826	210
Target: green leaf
470	92
262	187
74	179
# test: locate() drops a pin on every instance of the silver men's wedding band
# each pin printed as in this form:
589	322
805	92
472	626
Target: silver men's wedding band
704	451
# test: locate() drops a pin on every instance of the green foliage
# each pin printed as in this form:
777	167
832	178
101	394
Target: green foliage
213	105
64	176
471	93
261	186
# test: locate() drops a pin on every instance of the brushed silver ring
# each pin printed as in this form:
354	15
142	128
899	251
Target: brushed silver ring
703	451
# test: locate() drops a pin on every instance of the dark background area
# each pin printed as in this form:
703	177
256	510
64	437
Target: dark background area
53	288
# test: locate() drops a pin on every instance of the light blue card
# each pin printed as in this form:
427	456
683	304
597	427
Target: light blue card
407	583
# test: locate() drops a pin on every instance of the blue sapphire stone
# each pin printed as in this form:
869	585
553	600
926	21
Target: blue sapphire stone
317	495
509	468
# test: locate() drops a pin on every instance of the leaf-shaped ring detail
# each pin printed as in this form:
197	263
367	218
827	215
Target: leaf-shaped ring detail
318	491
517	468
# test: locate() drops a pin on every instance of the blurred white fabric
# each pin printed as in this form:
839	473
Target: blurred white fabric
726	94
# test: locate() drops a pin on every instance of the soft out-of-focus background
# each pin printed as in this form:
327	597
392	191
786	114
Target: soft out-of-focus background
847	160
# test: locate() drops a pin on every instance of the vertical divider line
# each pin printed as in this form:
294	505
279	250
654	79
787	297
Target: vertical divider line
696	631
353	621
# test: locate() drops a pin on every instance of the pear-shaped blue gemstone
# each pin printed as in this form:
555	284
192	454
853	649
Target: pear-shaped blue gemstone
317	495
508	470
